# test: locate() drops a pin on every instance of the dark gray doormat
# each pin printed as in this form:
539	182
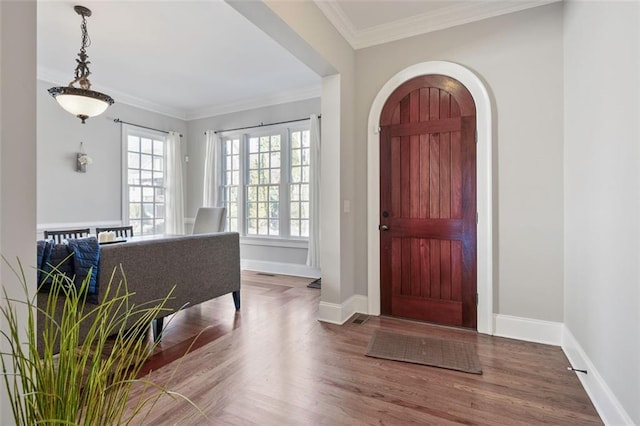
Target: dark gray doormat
449	354
315	284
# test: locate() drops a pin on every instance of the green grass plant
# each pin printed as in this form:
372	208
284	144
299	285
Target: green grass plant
72	382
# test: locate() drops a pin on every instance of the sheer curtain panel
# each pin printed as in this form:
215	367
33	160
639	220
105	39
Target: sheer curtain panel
211	184
174	195
313	255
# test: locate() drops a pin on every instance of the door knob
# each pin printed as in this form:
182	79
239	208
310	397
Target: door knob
383	228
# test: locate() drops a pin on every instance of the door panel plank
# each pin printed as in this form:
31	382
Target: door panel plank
427	228
425	268
414	106
395	176
434	249
395	119
454	108
414	153
456	272
445	270
405	287
424	104
448	311
434	177
434	103
405	176
433	126
386	182
396	262
416	267
445	176
404	109
424	176
445	107
456	176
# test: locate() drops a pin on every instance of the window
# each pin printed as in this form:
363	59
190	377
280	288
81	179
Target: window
144	181
265	183
299	186
231	181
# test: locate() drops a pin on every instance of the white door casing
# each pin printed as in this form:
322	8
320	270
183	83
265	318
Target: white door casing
483	182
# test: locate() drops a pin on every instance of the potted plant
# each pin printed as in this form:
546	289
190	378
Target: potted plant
86	382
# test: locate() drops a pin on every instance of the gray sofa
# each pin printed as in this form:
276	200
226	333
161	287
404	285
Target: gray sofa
201	267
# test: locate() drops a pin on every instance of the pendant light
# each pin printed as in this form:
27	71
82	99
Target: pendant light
82	101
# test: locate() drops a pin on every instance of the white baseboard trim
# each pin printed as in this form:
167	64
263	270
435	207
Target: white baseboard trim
339	313
279	268
607	405
530	330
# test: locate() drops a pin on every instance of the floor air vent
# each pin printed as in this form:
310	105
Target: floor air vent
265	274
360	319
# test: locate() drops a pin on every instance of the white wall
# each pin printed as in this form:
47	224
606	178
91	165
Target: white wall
17	152
602	191
519	57
272	258
66	197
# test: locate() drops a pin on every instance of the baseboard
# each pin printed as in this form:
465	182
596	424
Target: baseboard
530	330
280	268
609	408
339	313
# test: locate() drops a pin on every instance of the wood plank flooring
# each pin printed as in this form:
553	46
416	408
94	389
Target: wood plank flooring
275	364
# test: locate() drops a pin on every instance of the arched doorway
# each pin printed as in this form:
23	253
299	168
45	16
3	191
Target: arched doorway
483	184
428	202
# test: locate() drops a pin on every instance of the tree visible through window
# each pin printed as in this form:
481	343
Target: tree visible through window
145	187
300	161
265	183
231	181
263	186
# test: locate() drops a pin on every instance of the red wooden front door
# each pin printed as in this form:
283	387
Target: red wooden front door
428	202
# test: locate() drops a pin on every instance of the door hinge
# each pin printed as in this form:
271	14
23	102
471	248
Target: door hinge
476	218
477	299
476	136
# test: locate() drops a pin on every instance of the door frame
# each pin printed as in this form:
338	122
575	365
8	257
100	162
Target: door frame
483	184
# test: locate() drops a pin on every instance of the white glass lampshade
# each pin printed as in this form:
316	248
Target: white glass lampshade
82	103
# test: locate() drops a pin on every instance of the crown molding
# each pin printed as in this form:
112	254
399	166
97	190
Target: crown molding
282	97
340	20
420	24
259	102
55	77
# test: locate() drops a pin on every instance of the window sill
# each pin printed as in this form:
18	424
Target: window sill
274	242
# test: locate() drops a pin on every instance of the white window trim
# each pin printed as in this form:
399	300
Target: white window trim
128	129
285	137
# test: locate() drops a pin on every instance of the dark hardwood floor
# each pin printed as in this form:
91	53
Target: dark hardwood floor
275	364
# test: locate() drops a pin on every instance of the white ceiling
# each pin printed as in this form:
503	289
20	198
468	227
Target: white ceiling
192	59
187	59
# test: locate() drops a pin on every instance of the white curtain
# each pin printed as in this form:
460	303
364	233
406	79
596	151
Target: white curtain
313	255
211	184
174	198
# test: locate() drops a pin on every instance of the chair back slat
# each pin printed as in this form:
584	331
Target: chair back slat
120	231
59	236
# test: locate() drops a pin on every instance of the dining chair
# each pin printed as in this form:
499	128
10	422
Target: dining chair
59	236
209	219
120	231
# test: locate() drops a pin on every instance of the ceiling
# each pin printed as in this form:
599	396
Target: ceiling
187	59
193	59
